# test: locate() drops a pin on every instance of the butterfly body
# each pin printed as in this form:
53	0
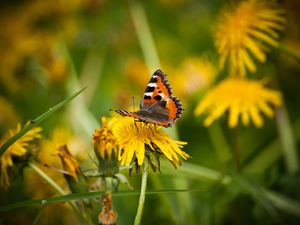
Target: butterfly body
158	105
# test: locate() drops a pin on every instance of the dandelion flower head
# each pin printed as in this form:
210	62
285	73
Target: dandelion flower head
134	137
244	32
104	140
240	97
197	73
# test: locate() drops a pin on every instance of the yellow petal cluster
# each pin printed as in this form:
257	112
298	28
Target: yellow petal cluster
104	140
239	97
133	138
243	33
19	149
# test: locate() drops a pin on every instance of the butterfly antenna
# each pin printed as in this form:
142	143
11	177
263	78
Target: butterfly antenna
133	103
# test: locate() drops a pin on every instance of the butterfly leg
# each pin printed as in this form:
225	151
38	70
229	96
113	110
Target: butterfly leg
149	127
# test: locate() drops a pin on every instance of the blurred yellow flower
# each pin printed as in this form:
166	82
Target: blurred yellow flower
134	137
30	30
136	72
194	74
62	136
241	97
8	115
243	33
18	149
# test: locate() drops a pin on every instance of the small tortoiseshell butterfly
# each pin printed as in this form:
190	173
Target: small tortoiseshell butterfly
158	105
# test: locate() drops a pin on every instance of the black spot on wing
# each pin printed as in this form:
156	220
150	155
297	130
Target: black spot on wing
153	80
158	97
149	89
147	97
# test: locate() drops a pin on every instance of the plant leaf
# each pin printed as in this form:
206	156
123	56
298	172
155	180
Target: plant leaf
35	122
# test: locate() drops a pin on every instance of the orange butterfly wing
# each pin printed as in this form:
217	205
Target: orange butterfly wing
158	105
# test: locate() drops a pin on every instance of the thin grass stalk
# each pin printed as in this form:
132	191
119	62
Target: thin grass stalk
237	148
219	142
288	141
144	35
79	111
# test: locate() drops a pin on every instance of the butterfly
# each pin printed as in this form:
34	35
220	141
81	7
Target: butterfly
158	106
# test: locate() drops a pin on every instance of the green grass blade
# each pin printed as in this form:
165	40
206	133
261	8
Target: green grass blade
219	142
85	195
258	195
282	202
35	122
270	200
62	198
264	159
288	141
197	172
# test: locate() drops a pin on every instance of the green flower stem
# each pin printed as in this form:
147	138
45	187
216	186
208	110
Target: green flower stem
139	213
219	142
236	148
144	35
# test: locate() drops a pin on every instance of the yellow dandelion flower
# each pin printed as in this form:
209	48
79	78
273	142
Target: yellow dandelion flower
240	97
244	32
62	136
104	140
134	137
199	73
105	147
136	72
18	149
194	74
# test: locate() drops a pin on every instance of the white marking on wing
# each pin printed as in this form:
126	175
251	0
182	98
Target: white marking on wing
151	85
